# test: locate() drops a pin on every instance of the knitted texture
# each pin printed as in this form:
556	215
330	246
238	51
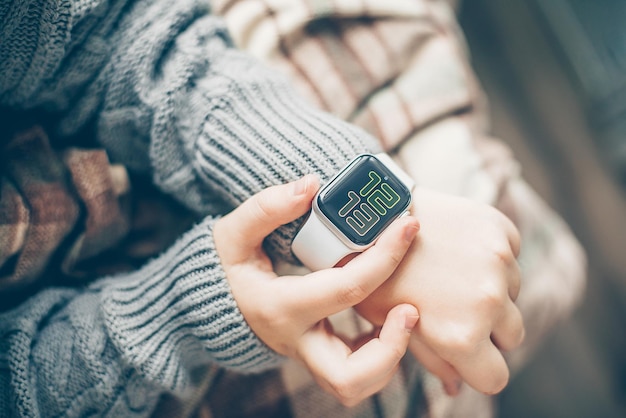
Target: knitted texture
177	313
61	354
51	210
57	211
220	126
160	86
169	94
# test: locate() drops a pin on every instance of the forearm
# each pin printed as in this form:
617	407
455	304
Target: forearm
173	97
69	351
243	129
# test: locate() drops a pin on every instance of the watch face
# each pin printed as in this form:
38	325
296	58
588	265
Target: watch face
364	199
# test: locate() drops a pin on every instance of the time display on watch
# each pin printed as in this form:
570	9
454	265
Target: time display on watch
363	200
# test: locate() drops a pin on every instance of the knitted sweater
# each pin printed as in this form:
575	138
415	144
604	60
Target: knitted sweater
160	86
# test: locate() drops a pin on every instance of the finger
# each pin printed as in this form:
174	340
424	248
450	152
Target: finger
515	281
485	370
508	332
353	377
384	352
436	365
257	217
512	234
362	339
333	290
509	268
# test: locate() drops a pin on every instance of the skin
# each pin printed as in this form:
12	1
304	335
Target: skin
461	273
295	323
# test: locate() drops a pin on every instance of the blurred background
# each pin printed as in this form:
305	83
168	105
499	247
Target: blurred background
555	74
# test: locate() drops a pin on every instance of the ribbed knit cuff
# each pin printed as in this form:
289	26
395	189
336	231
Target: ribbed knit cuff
178	312
243	128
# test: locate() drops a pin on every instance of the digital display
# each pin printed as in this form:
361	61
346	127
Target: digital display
364	199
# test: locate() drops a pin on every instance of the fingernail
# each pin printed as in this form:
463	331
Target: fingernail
300	186
410	232
410	321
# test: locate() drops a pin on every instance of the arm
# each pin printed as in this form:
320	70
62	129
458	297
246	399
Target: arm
400	70
165	91
160	86
114	347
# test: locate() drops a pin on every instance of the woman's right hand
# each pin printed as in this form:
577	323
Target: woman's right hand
289	313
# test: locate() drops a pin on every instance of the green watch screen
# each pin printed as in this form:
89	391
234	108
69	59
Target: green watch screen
364	199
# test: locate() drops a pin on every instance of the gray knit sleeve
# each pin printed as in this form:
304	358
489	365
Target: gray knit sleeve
240	129
164	90
115	347
159	84
219	124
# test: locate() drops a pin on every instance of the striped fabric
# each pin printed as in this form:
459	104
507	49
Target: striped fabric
389	66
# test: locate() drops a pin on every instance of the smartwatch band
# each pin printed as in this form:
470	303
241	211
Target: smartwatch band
318	247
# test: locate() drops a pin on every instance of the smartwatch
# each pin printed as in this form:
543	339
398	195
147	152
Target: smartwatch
350	212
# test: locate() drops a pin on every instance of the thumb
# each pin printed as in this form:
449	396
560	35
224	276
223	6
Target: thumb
249	224
353	376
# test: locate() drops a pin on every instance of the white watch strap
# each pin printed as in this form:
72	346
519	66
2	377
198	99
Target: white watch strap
317	247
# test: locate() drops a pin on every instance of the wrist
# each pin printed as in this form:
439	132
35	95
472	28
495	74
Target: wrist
352	210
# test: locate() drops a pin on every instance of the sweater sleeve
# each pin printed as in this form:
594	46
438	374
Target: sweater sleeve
112	349
162	87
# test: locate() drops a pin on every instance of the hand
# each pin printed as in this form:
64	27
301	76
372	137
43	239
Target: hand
289	313
462	275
